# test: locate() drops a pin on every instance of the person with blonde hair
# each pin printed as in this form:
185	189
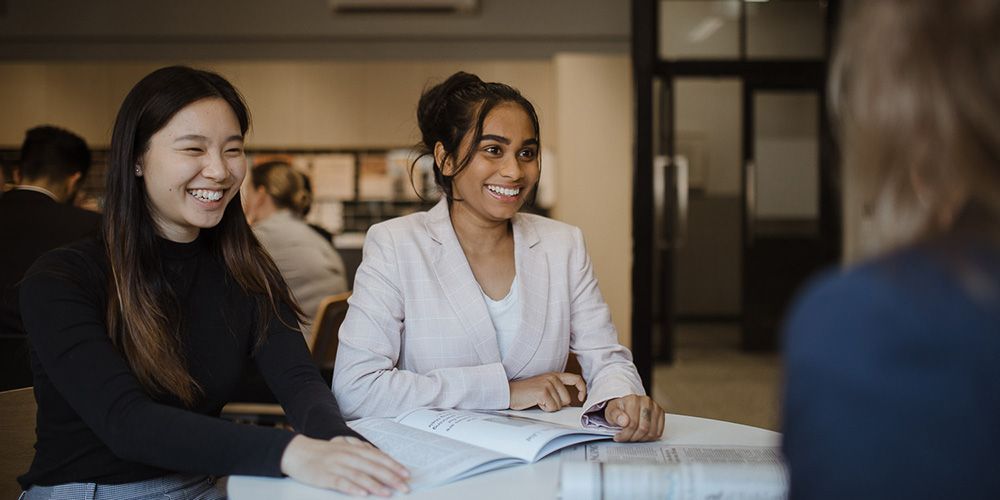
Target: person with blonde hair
892	385
312	267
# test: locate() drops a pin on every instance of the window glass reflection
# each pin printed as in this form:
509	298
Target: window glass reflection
691	29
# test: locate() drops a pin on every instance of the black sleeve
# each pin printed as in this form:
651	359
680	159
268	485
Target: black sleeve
285	363
64	318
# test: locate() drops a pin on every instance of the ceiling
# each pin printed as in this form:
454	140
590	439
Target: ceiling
303	29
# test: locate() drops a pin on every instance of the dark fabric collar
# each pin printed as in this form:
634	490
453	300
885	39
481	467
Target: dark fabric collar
27	195
181	251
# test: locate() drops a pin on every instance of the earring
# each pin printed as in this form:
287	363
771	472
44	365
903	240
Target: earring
138	171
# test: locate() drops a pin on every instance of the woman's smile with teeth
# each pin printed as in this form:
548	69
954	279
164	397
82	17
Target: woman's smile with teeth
504	191
206	194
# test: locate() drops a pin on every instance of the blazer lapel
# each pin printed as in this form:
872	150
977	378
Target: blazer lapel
460	286
533	276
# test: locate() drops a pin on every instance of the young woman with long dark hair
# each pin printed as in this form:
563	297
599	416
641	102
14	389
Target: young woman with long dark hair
140	337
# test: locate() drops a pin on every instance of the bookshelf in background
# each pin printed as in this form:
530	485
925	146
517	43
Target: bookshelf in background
356	188
352	188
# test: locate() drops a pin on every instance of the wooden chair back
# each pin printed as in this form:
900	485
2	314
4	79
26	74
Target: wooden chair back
322	345
17	433
329	317
573	366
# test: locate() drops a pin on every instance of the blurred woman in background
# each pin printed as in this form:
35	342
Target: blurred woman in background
312	268
893	365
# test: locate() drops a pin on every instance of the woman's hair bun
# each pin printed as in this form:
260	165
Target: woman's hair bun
432	110
457	107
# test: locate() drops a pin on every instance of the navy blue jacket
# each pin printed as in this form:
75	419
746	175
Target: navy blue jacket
892	383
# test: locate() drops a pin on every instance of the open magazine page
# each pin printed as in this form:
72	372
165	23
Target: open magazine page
432	460
521	437
658	470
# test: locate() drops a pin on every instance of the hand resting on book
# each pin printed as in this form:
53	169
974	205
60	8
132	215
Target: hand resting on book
345	464
548	391
640	418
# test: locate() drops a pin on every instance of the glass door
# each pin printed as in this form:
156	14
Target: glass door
707	125
786	203
722	231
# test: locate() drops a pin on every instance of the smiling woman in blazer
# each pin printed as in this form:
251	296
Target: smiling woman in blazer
475	305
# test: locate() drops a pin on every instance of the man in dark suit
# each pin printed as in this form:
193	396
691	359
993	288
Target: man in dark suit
37	215
3	178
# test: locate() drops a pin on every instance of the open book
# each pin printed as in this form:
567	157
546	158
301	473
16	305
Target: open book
441	446
661	471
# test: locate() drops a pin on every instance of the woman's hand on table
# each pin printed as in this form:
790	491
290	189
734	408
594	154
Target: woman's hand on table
548	391
640	418
345	464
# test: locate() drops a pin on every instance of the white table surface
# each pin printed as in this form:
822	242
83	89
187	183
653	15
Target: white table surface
523	482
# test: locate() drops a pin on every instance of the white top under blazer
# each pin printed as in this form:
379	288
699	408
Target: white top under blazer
418	332
506	317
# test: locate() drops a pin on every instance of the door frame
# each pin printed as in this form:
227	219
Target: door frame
828	235
647	65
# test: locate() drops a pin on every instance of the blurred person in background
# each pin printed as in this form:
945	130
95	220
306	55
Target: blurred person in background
4	176
37	215
892	383
307	207
274	203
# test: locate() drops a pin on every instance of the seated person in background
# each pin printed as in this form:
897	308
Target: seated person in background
4	176
140	336
473	304
307	206
309	264
36	216
893	365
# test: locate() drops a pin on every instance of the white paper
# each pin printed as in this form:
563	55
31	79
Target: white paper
327	214
431	460
525	438
374	179
405	186
657	470
332	177
661	453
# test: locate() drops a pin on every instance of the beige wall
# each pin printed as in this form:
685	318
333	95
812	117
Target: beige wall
321	104
594	138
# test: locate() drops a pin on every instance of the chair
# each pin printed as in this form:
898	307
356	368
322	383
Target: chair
330	315
323	345
17	433
573	366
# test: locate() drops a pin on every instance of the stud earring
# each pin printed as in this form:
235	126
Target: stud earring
138	171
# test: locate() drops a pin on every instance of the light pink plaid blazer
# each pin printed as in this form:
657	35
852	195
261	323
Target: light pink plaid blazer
418	332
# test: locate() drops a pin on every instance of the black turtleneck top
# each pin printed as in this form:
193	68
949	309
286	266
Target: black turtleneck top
97	424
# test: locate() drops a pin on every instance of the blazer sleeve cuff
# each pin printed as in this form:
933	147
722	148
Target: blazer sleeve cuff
491	388
593	413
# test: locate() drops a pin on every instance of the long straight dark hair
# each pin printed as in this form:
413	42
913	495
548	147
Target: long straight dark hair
143	311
